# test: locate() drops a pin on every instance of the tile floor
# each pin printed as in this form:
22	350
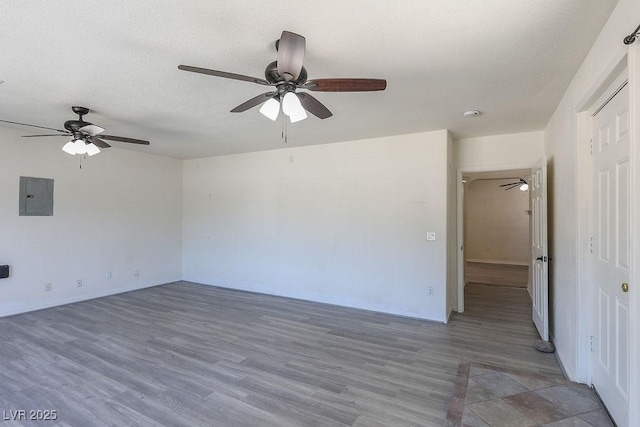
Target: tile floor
491	396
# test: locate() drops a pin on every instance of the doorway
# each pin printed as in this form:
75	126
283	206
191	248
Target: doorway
538	262
496	224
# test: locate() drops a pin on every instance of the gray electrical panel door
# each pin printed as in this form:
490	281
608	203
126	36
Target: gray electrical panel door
36	196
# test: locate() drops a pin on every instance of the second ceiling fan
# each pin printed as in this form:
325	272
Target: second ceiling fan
287	75
521	184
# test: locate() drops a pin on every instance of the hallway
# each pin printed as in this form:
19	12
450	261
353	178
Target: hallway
497	274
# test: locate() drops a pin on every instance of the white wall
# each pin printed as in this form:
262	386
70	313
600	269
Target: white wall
340	223
561	147
120	212
498	152
496	223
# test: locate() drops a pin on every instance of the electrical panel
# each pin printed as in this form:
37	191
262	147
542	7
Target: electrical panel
36	196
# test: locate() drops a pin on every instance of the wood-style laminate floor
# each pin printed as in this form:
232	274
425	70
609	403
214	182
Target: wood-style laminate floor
189	354
497	274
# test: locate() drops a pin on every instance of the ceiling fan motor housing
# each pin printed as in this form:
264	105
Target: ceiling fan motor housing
272	76
74	125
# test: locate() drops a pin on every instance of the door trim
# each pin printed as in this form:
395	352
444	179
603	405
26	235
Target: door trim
460	216
634	297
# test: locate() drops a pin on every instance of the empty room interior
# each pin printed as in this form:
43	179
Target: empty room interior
339	213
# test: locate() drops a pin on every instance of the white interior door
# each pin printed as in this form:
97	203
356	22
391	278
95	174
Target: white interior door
611	252
539	252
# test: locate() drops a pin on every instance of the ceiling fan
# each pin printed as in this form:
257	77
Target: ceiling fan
287	75
521	183
84	135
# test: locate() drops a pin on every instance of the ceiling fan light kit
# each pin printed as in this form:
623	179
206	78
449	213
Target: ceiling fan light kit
292	107
79	146
288	75
271	109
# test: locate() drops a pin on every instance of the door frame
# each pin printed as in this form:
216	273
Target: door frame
460	217
626	57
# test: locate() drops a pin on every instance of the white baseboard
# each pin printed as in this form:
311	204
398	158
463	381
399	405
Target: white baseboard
309	298
12	311
496	261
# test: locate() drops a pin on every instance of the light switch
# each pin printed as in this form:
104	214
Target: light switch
431	235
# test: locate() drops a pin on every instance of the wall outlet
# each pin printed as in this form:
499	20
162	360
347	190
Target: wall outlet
431	235
108	275
136	272
430	291
47	287
79	283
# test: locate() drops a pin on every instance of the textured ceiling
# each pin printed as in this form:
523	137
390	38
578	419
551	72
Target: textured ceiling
512	60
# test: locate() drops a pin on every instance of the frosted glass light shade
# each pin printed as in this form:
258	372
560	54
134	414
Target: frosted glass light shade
299	115
92	149
524	187
292	107
80	146
69	148
271	109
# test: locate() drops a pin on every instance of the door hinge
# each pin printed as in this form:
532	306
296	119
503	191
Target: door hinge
591	343
591	146
591	244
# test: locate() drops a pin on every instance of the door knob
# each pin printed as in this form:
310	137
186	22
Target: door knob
625	287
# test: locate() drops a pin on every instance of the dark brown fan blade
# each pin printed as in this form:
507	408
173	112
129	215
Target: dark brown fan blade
51	134
345	85
314	106
97	142
512	186
123	139
34	126
224	74
509	184
291	49
253	102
